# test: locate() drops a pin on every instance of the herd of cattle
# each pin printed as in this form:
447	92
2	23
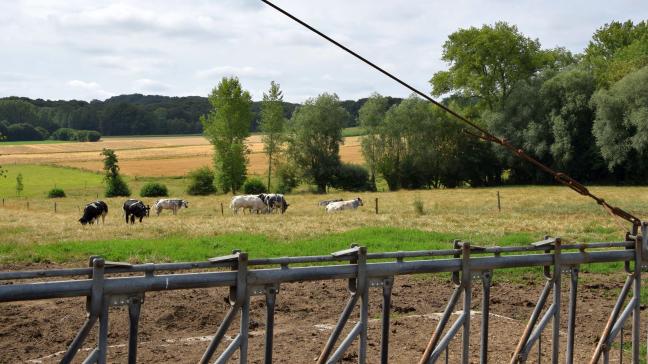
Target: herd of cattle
259	204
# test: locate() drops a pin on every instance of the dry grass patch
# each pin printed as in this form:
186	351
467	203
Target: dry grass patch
149	156
469	214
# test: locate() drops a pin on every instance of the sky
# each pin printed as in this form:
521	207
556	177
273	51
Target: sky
92	49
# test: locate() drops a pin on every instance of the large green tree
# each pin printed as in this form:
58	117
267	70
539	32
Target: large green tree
370	117
487	62
315	137
617	49
227	126
272	125
621	125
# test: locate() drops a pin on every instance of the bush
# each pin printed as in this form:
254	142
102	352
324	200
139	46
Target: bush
116	186
22	132
43	132
254	186
93	136
201	182
55	193
351	177
287	178
419	208
63	134
78	135
154	189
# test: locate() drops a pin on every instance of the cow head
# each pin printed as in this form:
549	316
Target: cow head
359	201
185	204
147	208
83	221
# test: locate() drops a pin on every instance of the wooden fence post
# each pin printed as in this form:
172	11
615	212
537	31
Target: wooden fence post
54	206
3	202
222	212
376	205
27	205
499	205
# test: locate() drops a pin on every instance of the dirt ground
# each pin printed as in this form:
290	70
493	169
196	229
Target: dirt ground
176	326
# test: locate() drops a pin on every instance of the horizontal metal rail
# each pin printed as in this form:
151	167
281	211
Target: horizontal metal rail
127	285
121	268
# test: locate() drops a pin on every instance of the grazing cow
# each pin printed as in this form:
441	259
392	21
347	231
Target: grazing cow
252	202
326	202
173	204
276	201
344	205
135	208
92	211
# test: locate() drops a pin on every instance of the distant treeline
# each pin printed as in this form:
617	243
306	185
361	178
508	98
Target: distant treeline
22	118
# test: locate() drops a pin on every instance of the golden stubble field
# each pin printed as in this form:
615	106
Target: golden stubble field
148	156
469	214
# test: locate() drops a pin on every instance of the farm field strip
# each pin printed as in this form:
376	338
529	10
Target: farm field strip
155	157
38	233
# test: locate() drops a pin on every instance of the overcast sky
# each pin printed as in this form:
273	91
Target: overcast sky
82	49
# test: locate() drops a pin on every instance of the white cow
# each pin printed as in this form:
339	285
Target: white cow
344	205
172	204
251	202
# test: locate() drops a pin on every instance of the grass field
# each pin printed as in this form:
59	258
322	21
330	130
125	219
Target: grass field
29	142
31	231
37	233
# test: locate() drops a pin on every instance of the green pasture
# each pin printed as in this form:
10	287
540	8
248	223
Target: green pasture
179	248
39	179
30	142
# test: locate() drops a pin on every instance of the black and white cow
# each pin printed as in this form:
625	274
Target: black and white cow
172	204
135	208
92	211
275	201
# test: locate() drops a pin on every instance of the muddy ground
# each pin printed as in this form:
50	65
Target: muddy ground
176	326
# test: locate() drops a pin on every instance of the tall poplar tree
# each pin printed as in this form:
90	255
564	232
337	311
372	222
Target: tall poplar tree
227	126
272	125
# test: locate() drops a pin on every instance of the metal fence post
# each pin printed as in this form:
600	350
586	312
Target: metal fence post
363	287
487	279
555	345
571	320
466	278
636	314
388	283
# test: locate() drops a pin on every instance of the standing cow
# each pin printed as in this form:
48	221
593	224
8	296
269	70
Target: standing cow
252	202
275	201
92	211
344	205
135	208
173	204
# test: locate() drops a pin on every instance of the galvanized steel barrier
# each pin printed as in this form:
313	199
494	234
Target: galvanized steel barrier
106	286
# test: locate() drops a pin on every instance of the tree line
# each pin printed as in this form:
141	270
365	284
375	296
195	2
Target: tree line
27	119
582	114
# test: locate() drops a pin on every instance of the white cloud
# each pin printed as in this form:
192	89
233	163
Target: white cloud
92	89
146	85
182	47
244	71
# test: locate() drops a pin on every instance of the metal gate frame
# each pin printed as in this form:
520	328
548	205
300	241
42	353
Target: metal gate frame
106	287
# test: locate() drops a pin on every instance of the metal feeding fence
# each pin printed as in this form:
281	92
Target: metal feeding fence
106	286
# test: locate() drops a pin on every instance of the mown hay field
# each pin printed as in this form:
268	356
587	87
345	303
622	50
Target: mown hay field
162	156
31	231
